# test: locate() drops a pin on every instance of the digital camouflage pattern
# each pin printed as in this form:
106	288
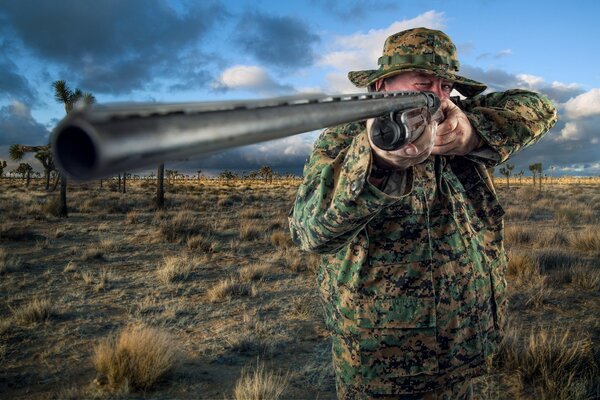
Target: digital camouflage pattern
413	286
419	49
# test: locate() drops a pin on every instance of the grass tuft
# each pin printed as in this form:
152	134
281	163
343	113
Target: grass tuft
137	358
37	310
259	384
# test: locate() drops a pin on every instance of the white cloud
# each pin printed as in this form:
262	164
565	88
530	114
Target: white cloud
584	105
531	81
249	77
360	51
571	131
19	109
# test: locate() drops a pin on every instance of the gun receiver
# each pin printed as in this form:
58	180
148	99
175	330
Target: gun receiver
99	140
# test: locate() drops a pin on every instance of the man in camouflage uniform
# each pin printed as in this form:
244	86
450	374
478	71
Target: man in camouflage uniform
412	274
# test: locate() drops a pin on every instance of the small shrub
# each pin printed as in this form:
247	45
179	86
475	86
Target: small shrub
259	384
281	239
181	226
35	311
254	272
175	268
249	231
51	206
587	240
228	288
585	277
137	358
555	365
206	244
519	235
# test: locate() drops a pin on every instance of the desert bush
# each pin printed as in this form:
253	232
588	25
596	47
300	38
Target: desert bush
588	239
254	272
230	287
585	277
258	384
175	268
249	231
137	358
37	310
204	243
554	365
521	266
281	239
181	226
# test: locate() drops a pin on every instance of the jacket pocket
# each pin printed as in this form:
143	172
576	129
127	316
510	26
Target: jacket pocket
396	340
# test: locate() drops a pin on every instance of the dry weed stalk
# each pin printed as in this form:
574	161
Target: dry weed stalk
137	358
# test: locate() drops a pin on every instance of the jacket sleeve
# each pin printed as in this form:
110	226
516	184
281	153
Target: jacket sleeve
508	122
336	200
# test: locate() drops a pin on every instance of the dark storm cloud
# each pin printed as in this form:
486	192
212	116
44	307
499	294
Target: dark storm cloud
499	80
551	151
12	84
278	41
111	45
17	126
354	9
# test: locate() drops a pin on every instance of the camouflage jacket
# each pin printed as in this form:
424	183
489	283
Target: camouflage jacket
413	285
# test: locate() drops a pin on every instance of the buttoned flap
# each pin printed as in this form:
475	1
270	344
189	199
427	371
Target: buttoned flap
401	312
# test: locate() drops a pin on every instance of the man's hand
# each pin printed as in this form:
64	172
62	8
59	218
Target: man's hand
455	135
409	155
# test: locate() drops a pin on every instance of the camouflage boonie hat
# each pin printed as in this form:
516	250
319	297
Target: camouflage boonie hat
419	49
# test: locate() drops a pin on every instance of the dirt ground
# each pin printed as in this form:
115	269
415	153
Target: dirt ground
218	272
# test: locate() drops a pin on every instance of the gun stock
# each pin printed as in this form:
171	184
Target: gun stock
99	140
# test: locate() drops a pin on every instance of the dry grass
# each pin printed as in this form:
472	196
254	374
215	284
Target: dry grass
255	272
281	239
179	227
587	240
135	359
37	310
175	268
207	244
259	384
230	287
550	364
8	262
521	266
249	230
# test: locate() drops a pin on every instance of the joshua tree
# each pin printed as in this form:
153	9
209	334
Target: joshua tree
507	171
160	187
266	172
199	172
63	94
536	169
227	175
520	175
2	166
42	153
25	170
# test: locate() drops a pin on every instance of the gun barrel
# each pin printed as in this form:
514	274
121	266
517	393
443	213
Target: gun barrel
100	140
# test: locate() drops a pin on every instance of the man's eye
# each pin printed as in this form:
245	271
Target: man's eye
447	88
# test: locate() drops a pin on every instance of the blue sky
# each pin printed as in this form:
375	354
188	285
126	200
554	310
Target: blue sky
184	50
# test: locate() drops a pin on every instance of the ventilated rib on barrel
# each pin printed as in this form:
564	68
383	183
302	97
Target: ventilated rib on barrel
100	140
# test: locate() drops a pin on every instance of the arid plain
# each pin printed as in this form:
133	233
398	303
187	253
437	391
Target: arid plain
209	298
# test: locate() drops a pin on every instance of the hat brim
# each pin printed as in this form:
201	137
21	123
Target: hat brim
465	86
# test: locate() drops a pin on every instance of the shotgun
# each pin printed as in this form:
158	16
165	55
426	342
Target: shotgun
95	141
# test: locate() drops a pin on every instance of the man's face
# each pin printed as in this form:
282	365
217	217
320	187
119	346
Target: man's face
416	81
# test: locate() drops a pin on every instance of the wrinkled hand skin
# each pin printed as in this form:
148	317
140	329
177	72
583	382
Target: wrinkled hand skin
411	154
454	136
